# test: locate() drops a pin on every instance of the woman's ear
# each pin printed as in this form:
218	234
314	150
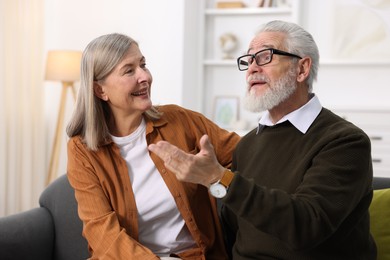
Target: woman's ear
304	69
99	91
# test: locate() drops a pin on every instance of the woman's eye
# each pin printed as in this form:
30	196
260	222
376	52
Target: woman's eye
143	65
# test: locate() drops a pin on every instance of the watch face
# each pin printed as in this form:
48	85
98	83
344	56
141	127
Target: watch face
218	190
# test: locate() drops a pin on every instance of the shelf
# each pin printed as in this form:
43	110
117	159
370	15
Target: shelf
249	11
232	62
215	72
354	63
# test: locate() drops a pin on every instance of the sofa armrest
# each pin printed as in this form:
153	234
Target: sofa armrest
380	183
58	198
27	235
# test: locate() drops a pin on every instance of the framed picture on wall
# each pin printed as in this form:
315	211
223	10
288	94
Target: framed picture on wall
226	111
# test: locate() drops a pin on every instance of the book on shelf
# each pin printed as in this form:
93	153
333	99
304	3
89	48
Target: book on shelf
266	3
230	4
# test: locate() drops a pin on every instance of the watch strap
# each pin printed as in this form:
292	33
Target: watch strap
227	178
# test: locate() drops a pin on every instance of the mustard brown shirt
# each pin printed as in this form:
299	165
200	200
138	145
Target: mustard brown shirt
106	202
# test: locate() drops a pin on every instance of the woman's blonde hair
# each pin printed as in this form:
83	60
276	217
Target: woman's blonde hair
91	114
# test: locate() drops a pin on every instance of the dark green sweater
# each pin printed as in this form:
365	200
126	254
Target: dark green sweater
301	196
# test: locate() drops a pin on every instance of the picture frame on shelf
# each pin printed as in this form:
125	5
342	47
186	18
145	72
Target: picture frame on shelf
226	111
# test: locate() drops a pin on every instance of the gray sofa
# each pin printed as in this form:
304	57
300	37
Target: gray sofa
53	230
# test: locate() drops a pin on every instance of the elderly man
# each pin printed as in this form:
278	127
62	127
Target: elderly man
300	185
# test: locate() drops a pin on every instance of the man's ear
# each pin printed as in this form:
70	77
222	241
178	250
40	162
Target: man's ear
304	69
99	91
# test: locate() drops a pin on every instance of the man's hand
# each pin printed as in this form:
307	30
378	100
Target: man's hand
202	168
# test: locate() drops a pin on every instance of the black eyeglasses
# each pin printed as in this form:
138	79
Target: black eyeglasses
261	57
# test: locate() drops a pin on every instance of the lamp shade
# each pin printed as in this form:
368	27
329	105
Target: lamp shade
63	66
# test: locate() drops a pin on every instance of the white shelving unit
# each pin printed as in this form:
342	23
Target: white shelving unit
220	76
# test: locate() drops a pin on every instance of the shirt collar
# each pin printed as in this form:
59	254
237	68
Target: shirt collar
302	118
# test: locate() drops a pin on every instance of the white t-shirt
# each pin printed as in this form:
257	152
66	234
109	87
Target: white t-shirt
161	226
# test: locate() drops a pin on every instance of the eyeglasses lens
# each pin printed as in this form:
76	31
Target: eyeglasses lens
262	57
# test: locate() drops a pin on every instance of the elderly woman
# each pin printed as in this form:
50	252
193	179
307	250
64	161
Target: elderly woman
131	205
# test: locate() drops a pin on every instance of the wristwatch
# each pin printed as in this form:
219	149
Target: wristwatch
219	188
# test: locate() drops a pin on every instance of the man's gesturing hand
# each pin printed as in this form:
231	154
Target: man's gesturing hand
202	168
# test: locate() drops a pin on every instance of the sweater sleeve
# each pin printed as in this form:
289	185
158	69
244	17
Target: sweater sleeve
106	238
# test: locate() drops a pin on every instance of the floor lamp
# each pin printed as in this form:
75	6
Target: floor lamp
61	66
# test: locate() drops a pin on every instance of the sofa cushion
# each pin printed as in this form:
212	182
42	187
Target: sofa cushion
380	222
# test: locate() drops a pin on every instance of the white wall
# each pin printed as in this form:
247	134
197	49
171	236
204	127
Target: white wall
353	38
158	26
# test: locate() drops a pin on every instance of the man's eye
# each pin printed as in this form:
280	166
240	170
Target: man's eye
143	65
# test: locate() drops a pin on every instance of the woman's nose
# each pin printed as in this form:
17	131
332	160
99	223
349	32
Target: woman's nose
143	75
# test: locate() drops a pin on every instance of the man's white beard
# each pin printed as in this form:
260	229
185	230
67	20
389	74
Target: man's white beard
272	96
